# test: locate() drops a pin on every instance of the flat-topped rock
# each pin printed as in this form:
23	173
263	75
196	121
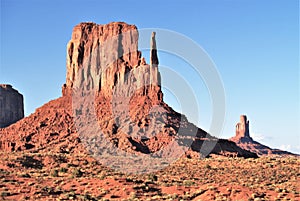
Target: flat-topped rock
11	105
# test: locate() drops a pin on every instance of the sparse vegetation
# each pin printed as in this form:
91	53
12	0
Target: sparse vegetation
209	179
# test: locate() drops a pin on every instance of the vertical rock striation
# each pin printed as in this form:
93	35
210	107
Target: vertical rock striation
11	105
105	58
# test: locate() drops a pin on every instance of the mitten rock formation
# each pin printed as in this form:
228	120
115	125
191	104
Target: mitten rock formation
105	66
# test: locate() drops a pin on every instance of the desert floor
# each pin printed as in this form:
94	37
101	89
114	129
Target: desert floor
48	176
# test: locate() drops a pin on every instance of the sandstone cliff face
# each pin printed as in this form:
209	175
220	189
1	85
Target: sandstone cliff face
11	105
104	61
105	58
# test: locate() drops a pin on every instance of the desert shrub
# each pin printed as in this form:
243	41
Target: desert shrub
64	170
188	183
5	193
208	166
77	173
152	177
54	173
25	175
129	179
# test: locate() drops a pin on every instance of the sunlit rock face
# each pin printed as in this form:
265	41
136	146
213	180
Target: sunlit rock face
106	58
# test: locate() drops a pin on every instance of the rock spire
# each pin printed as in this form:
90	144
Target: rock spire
153	51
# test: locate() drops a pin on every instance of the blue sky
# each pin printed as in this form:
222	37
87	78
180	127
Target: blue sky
254	44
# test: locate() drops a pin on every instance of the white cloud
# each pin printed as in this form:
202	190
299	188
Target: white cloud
260	137
290	148
269	141
257	136
285	147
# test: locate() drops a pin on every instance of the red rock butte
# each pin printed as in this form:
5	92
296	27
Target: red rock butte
243	139
105	59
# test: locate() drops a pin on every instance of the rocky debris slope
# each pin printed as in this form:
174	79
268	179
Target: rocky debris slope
11	105
50	127
122	94
243	140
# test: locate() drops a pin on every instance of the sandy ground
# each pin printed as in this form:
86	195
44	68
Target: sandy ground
36	176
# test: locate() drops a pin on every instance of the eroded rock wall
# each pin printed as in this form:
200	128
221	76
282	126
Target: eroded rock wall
105	58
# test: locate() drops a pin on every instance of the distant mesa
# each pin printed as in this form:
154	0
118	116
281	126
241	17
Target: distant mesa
11	105
243	139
